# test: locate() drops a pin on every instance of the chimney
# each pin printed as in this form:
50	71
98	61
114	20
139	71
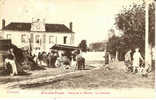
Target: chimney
3	23
38	20
71	26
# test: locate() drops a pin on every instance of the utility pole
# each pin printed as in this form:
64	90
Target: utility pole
155	32
147	48
146	34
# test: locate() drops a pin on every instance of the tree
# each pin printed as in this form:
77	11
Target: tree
83	45
132	22
113	45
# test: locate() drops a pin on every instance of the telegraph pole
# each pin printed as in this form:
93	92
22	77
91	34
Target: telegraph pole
146	34
147	49
155	32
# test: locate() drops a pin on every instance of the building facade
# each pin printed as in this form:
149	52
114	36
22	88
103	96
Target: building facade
38	34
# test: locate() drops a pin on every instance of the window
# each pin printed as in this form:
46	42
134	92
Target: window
37	48
23	38
52	39
65	39
37	39
8	36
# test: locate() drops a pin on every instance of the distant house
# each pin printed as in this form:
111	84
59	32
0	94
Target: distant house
37	35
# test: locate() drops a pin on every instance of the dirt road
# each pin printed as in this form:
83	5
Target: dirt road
101	78
38	76
96	78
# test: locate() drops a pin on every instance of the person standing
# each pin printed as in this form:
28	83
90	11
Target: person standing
44	59
59	60
128	59
55	58
35	58
136	59
11	60
80	61
107	57
52	60
128	56
39	59
49	59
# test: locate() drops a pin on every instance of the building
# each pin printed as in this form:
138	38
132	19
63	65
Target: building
37	35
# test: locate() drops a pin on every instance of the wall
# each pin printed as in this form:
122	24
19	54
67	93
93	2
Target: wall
59	39
93	56
44	37
16	37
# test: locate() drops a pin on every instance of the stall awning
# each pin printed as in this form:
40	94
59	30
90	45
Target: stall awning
64	47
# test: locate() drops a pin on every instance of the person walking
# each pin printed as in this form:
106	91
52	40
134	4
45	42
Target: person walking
136	59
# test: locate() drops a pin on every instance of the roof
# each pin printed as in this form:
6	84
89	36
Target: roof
14	26
64	47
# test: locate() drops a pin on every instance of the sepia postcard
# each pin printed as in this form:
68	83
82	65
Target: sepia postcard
77	48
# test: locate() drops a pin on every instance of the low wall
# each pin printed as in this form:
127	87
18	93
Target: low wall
93	56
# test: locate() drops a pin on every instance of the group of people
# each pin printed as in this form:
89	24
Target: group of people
135	62
44	59
53	59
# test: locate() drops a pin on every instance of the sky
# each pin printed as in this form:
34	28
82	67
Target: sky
91	18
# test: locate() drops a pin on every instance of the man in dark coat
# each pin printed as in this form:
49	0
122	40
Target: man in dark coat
80	61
